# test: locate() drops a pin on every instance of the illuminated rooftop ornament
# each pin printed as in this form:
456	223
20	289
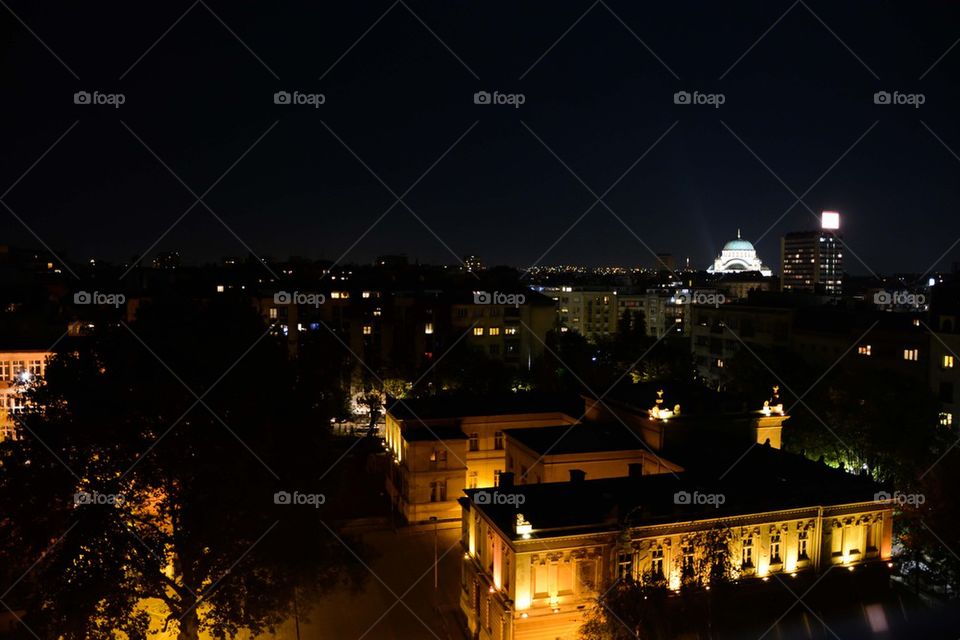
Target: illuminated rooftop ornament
774	404
522	527
658	412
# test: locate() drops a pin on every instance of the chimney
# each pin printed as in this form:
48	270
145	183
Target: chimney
577	475
635	469
506	479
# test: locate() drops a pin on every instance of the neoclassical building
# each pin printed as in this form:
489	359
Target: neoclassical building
738	256
536	556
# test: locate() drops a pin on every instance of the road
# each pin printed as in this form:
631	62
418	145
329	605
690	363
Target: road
402	568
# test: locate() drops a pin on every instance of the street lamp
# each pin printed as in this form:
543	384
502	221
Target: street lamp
436	551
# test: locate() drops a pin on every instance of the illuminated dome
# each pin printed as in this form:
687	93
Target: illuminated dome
738	256
739	245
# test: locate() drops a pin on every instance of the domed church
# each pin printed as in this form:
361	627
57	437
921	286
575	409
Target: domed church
737	256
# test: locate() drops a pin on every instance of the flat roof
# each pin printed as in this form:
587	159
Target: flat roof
585	437
462	405
764	480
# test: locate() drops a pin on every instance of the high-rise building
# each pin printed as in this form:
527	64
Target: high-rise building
812	261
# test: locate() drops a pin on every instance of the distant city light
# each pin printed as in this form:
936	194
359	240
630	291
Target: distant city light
830	220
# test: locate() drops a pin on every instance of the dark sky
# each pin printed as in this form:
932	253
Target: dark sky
199	98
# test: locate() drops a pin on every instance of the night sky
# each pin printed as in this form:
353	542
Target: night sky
801	97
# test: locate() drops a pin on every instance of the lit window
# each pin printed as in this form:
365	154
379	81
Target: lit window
946	419
494	331
219	288
625	565
377	312
916	322
273	313
747	558
911	354
656	565
511	331
428	328
719	363
865	350
335	295
367	329
365	294
478	331
947	362
687	566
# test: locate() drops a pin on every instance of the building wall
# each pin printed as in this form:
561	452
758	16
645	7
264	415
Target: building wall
480	461
17	367
713	345
944	369
530	467
540	588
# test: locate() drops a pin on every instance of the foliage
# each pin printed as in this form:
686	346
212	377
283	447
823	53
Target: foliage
631	609
127	487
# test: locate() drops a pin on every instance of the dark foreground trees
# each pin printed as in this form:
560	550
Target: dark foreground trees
169	476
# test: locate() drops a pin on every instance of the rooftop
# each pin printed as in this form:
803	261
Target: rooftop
462	405
581	438
765	479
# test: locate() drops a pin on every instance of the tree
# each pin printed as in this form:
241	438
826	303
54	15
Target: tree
629	610
129	492
870	420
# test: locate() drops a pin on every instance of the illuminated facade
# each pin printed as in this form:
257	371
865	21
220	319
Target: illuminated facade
557	454
532	570
17	368
440	448
738	256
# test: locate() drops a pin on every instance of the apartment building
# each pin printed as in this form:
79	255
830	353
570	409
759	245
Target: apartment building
18	368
